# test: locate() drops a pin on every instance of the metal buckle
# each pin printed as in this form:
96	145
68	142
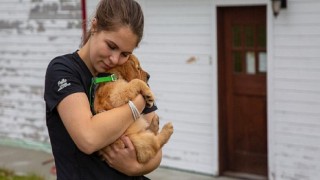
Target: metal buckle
113	77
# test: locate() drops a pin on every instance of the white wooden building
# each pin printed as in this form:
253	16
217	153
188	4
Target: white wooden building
240	85
32	33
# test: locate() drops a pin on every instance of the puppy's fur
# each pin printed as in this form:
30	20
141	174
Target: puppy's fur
131	82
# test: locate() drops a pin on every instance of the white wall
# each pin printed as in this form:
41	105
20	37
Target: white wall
173	34
91	8
296	102
31	35
177	32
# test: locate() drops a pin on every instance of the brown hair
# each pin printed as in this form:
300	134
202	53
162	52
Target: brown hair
113	14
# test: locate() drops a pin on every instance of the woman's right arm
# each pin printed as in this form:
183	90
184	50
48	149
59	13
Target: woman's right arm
91	133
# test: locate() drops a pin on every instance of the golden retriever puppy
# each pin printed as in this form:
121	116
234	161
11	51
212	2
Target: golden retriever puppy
131	81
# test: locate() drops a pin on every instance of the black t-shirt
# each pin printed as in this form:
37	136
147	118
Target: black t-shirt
65	75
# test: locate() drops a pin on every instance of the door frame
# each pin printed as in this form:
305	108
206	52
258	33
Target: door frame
270	84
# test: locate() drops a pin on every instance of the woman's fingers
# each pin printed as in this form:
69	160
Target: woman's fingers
127	142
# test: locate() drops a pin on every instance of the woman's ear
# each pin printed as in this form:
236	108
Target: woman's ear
93	25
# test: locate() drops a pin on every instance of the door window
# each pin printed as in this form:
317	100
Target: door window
237	61
249	36
262	62
250	62
249	49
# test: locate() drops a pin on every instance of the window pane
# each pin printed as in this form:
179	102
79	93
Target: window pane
249	36
237	62
261	36
236	36
251	63
262	62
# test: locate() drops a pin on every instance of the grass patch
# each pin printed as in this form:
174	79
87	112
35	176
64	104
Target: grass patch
6	174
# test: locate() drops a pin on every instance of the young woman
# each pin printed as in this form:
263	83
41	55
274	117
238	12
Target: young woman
76	134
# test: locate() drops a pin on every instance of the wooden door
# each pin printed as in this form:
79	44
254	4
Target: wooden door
242	64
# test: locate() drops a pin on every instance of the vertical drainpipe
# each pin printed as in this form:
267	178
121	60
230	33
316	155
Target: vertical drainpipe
84	18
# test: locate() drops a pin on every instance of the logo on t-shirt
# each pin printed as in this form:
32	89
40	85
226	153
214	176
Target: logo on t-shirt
62	84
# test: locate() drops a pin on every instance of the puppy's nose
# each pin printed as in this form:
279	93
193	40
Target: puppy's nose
148	76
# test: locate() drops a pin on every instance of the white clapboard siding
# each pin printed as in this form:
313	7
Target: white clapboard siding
91	8
28	42
176	51
295	129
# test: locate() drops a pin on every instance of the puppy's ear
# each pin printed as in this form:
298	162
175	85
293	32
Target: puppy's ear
127	70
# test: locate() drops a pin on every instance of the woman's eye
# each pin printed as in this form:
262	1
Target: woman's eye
112	47
125	54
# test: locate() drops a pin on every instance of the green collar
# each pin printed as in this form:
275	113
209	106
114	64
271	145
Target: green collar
97	80
111	78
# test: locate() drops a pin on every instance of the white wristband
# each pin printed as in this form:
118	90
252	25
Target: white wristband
134	110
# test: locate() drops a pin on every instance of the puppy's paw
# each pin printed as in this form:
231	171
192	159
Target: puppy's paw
154	125
149	98
168	128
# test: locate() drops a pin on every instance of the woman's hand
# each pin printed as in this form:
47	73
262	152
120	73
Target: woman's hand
123	159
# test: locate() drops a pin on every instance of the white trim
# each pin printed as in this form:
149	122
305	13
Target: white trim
215	112
241	3
270	92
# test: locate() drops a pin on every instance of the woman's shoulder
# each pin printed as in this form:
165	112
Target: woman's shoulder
67	62
64	59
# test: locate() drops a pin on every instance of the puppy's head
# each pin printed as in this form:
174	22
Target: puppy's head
130	70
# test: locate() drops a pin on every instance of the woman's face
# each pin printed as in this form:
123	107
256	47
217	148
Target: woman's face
111	48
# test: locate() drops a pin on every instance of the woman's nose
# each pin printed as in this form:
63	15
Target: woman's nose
115	58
